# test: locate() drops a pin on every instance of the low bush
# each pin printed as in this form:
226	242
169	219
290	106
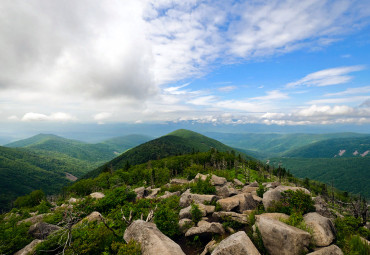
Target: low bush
203	187
196	214
293	201
30	200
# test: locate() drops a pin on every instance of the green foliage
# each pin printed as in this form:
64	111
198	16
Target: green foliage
114	198
261	190
228	222
82	187
30	200
218	207
43	207
131	248
167	216
356	246
203	187
294	201
196	213
258	242
13	237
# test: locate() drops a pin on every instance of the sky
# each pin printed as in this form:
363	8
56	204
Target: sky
285	63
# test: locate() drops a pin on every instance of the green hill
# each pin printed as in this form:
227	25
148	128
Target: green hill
22	171
268	145
350	147
350	174
176	143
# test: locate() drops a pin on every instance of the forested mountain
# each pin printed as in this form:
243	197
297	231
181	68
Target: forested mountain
267	145
176	143
22	171
99	152
337	147
42	161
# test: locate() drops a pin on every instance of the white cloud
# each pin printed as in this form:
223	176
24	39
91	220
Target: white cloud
272	95
102	116
340	100
350	91
227	88
59	117
332	76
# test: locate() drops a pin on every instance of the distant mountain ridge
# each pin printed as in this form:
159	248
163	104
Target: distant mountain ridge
175	143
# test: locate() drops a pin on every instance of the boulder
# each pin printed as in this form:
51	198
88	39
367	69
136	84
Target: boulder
271	185
94	216
330	250
29	249
282	239
218	181
238	217
209	247
248	189
72	200
41	230
225	191
206	229
151	239
187	198
97	195
237	182
274	216
34	219
203	177
274	195
236	244
154	193
185	224
253	184
186	212
322	207
141	192
257	198
322	227
239	202
168	194
179	181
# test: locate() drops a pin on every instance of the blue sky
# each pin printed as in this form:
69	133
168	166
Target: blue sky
217	62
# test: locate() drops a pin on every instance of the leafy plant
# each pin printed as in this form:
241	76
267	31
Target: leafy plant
196	213
261	190
30	200
203	187
294	201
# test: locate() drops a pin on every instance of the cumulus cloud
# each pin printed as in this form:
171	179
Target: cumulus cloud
58	116
327	77
227	88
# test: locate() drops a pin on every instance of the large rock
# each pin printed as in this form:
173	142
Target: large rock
187	198
238	217
205	209
152	241
322	207
237	182
225	191
41	230
203	177
179	181
141	192
94	216
274	195
206	229
274	216
168	194
322	227
153	193
330	250
248	189
29	249
185	224
34	219
239	202
97	195
218	181
236	244
282	239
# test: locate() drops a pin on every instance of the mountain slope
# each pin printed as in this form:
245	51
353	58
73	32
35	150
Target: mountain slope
350	174
176	143
22	171
272	144
338	147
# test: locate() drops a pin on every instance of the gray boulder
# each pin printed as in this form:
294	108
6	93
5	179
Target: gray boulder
179	181
238	217
236	244
322	207
152	241
29	249
187	198
330	250
322	227
218	181
225	191
97	195
274	195
41	230
237	182
239	202
185	224
206	229
140	192
168	194
282	239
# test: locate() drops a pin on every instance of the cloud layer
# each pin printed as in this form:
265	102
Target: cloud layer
103	60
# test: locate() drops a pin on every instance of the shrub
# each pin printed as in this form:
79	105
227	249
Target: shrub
30	200
356	246
294	201
131	248
261	190
203	187
166	217
116	197
196	214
